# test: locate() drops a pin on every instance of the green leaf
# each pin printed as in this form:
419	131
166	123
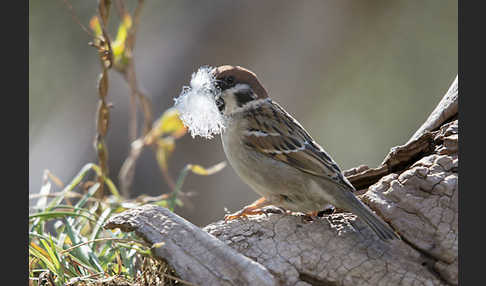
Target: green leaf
36	253
119	44
52	256
82	252
77	179
178	202
162	203
99	224
91	191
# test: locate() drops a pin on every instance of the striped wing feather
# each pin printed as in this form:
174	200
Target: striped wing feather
274	133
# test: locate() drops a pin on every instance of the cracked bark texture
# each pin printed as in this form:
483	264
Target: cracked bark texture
196	256
415	190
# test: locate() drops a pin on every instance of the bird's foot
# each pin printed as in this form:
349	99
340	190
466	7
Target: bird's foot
253	209
338	210
309	217
244	213
274	210
328	211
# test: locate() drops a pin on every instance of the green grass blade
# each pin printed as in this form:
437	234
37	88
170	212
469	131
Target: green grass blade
81	253
94	260
74	182
107	181
85	267
47	263
91	191
52	256
51	215
99	224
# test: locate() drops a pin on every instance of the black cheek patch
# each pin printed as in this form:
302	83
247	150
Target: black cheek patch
243	97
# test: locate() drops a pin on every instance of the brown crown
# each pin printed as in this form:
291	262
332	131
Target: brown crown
242	75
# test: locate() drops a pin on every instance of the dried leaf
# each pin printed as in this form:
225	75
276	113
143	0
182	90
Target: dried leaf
127	171
127	21
165	147
199	170
169	124
103	119
55	179
95	25
102	155
40	249
158	244
103	84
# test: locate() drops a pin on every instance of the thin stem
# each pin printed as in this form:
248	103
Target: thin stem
75	18
103	239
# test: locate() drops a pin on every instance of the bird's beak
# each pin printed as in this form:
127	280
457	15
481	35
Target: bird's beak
218	84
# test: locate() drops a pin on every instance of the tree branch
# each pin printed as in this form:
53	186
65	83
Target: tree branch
198	257
414	190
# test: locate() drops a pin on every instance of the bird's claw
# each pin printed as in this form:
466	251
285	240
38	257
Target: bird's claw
233	216
243	214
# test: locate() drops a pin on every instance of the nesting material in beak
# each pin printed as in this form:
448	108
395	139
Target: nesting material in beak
197	105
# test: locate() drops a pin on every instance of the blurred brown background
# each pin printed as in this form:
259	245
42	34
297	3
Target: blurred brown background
361	76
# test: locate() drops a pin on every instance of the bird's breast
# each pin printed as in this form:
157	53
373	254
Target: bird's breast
268	177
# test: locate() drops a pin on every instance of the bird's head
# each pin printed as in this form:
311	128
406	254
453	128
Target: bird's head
239	87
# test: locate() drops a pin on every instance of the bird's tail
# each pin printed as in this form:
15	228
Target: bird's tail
381	228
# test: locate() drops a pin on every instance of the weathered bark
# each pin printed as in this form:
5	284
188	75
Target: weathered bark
447	108
415	190
195	255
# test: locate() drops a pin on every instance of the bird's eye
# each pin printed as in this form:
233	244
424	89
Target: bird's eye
226	82
230	80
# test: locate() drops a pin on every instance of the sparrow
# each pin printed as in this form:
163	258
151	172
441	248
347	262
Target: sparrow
276	156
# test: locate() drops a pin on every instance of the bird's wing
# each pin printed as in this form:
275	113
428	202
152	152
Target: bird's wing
274	133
